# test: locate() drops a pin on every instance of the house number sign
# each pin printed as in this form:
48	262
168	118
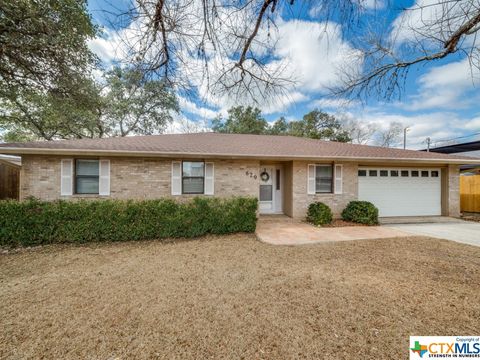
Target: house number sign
251	174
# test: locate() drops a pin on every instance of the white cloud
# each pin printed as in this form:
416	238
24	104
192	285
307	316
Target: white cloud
473	124
183	125
447	86
371	4
333	103
317	9
191	107
315	52
310	53
109	47
307	52
437	125
283	102
432	21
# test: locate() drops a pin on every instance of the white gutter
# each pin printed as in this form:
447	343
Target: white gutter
87	152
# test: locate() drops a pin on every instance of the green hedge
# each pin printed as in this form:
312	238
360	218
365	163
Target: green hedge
319	214
34	222
362	212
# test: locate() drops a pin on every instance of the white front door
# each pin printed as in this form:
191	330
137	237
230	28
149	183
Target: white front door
270	189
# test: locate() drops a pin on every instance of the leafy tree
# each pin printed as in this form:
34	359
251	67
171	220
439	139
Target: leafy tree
241	120
134	105
319	125
43	43
32	115
124	104
316	125
45	91
279	127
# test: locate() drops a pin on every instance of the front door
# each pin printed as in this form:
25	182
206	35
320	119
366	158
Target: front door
270	189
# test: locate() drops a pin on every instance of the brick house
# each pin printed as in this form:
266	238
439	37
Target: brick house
285	173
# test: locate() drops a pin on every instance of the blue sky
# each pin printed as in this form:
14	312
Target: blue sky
440	99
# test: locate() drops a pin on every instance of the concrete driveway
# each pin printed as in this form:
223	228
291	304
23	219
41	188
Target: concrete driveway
460	231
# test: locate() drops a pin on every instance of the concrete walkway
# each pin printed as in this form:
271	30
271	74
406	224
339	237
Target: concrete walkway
282	230
461	231
417	220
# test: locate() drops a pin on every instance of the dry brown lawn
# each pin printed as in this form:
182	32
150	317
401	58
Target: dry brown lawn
233	297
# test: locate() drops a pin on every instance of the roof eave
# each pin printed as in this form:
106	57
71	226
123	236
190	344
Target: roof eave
10	163
118	153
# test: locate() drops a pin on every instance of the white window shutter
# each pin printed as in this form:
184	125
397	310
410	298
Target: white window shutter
209	179
66	177
338	179
104	178
311	179
176	178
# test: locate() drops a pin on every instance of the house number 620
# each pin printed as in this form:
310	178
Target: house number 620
251	174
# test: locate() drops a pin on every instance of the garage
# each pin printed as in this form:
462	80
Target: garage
400	191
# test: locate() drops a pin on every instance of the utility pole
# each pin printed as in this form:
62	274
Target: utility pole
405	137
428	144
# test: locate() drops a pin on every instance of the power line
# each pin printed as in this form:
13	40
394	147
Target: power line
460	137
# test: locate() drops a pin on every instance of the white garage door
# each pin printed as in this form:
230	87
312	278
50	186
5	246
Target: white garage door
401	192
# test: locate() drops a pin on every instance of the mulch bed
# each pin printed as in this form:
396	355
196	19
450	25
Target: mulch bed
342	223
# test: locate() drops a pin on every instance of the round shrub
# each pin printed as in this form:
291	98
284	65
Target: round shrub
319	213
362	212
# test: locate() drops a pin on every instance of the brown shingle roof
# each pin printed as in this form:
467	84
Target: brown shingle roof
225	145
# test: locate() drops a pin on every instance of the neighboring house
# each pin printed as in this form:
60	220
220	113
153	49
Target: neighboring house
285	173
470	179
9	177
471	149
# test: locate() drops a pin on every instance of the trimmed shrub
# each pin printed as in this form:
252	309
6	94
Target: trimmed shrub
319	214
34	222
362	212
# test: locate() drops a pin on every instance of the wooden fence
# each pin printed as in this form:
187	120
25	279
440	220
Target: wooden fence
470	193
9	181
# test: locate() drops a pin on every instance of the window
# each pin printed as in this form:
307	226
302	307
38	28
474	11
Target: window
266	193
372	173
424	173
414	173
434	173
193	177
277	182
86	176
383	173
393	172
362	172
404	173
323	178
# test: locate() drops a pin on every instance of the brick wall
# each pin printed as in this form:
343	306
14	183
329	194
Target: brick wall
453	192
136	178
337	202
149	178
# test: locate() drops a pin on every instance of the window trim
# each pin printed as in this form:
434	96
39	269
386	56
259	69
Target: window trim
193	177
332	179
76	176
